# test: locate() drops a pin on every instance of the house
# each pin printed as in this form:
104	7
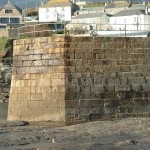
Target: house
131	19
90	21
10	15
116	6
140	6
57	11
89	10
29	9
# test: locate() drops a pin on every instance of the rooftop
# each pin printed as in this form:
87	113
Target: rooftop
10	5
57	3
139	6
130	12
89	15
117	4
24	4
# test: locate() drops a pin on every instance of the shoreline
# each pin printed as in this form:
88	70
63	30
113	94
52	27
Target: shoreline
128	133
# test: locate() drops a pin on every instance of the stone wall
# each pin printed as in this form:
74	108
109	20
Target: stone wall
38	80
107	78
80	78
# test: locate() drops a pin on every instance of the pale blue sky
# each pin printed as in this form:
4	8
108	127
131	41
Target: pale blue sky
23	3
34	3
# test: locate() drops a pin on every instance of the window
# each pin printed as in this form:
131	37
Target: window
8	11
9	20
135	19
4	20
14	20
2	27
96	20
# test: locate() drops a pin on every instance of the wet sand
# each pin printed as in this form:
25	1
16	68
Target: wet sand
124	134
3	111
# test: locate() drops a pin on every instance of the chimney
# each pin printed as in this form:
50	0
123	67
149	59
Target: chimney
42	3
130	3
146	10
81	7
73	1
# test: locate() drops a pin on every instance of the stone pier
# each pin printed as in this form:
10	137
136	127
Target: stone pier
73	79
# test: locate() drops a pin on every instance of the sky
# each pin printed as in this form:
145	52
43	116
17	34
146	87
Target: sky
23	3
33	3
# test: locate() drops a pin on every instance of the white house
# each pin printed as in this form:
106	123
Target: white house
131	19
96	20
140	6
116	6
57	11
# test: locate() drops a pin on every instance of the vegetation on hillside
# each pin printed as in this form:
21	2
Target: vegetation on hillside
5	43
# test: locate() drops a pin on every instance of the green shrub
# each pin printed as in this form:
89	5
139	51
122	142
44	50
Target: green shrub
5	43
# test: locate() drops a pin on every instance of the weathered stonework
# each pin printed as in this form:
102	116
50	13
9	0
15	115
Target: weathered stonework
38	80
73	79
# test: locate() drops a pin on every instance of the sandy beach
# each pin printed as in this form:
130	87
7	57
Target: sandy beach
124	134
